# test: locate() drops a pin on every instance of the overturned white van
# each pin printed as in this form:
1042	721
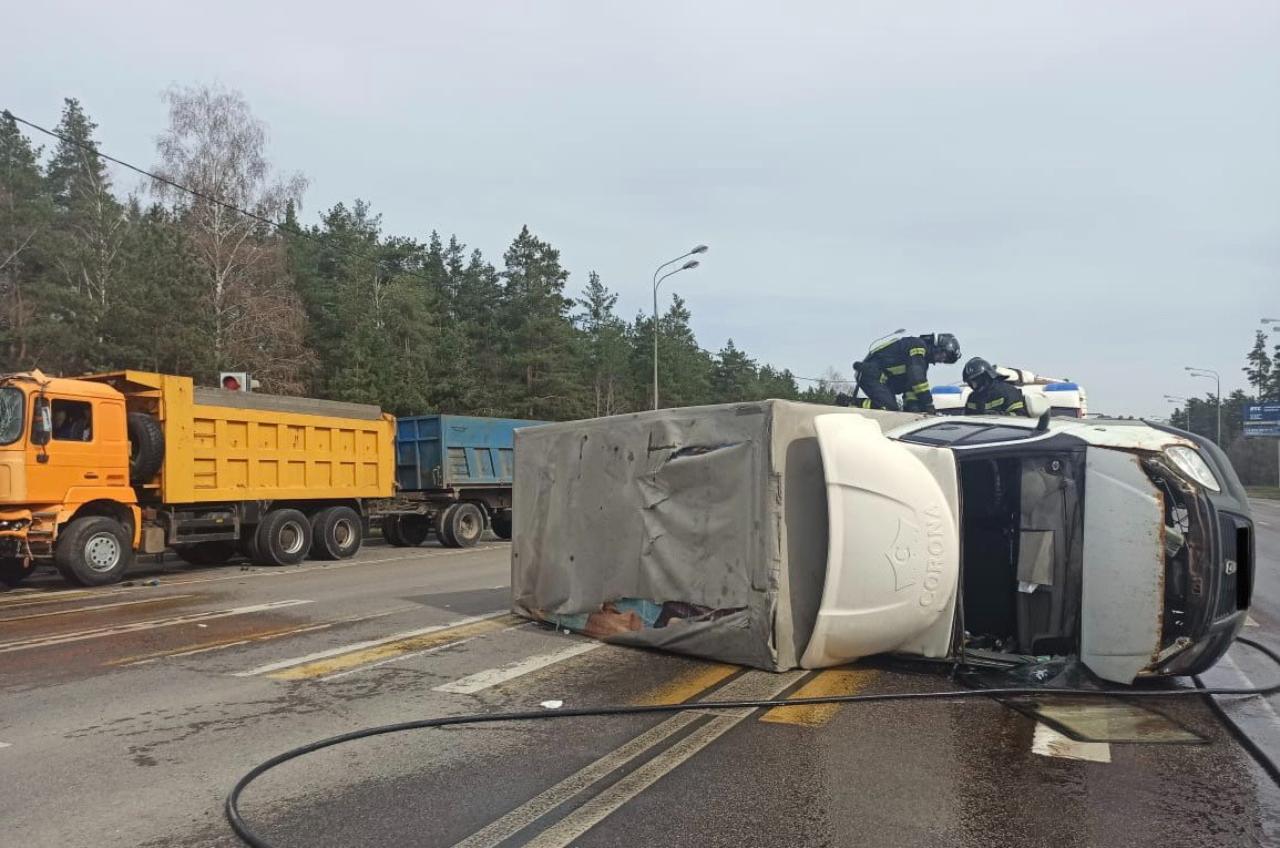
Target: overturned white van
783	535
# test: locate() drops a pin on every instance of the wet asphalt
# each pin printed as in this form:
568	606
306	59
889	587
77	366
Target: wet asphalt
127	713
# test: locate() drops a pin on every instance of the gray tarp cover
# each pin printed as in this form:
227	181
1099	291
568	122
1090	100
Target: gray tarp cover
699	530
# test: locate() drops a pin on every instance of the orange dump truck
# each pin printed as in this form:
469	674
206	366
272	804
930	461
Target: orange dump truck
96	469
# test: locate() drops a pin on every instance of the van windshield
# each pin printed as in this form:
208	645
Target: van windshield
11	414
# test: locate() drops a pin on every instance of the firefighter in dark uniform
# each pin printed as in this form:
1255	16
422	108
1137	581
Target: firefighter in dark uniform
991	395
901	367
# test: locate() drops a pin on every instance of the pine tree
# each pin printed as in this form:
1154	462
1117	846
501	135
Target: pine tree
733	377
1258	371
25	222
604	346
684	368
539	333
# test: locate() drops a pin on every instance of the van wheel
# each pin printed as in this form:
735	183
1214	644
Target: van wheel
283	537
466	525
146	447
12	572
93	551
502	524
414	529
207	553
336	533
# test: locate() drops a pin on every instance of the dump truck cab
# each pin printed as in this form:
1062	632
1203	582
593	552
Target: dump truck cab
64	457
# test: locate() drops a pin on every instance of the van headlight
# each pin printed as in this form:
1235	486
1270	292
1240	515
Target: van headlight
1190	463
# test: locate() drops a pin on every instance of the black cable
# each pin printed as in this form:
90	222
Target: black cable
281	228
242	829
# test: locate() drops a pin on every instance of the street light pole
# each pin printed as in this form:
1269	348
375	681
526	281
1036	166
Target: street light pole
657	281
1217	378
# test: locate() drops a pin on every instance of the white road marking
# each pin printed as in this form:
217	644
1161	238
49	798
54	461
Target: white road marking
429	553
360	646
1249	684
6	744
482	680
753	684
1048	742
154	600
595	810
1249	622
152	624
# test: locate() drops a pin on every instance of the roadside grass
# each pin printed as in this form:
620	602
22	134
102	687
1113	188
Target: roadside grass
1268	492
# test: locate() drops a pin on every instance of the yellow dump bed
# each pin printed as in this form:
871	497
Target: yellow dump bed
234	446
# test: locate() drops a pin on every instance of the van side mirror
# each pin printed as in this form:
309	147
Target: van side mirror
42	426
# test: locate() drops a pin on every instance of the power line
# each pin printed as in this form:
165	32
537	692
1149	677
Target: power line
280	228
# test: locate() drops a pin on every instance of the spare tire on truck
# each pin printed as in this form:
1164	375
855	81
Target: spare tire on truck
146	447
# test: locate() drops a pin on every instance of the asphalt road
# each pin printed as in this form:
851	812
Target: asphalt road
126	713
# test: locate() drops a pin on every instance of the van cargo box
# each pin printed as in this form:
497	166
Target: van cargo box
700	530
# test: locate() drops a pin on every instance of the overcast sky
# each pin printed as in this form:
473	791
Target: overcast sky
1089	190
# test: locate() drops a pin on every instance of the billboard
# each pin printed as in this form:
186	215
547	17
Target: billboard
1262	419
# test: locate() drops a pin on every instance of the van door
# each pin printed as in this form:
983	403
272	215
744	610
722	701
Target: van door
893	556
1123	593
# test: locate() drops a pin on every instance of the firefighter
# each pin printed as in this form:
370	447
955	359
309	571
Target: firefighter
901	367
991	395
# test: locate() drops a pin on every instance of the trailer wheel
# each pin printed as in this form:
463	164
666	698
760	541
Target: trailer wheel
466	524
442	523
146	447
336	533
414	529
283	537
12	572
502	524
93	551
207	553
391	531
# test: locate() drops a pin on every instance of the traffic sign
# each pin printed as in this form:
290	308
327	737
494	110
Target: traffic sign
1262	419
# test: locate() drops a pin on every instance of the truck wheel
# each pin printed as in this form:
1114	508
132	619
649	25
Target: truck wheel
207	553
146	447
12	572
248	543
414	529
283	537
93	551
336	533
391	531
442	523
502	524
466	524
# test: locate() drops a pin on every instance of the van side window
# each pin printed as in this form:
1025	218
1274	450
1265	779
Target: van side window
72	421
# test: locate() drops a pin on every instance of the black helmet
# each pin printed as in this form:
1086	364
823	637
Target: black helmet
978	372
946	349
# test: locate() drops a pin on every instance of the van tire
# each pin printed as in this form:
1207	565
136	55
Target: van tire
146	447
466	524
501	524
283	537
414	529
336	533
93	551
207	553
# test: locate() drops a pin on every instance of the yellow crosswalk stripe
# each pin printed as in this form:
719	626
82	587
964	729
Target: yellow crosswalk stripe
342	662
836	681
688	685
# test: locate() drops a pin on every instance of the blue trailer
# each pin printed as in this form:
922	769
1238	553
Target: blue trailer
453	479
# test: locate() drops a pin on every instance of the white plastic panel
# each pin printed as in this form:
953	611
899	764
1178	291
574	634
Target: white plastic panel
1123	597
893	556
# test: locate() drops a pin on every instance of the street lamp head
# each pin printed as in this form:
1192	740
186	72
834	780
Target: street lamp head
702	248
899	330
690	265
